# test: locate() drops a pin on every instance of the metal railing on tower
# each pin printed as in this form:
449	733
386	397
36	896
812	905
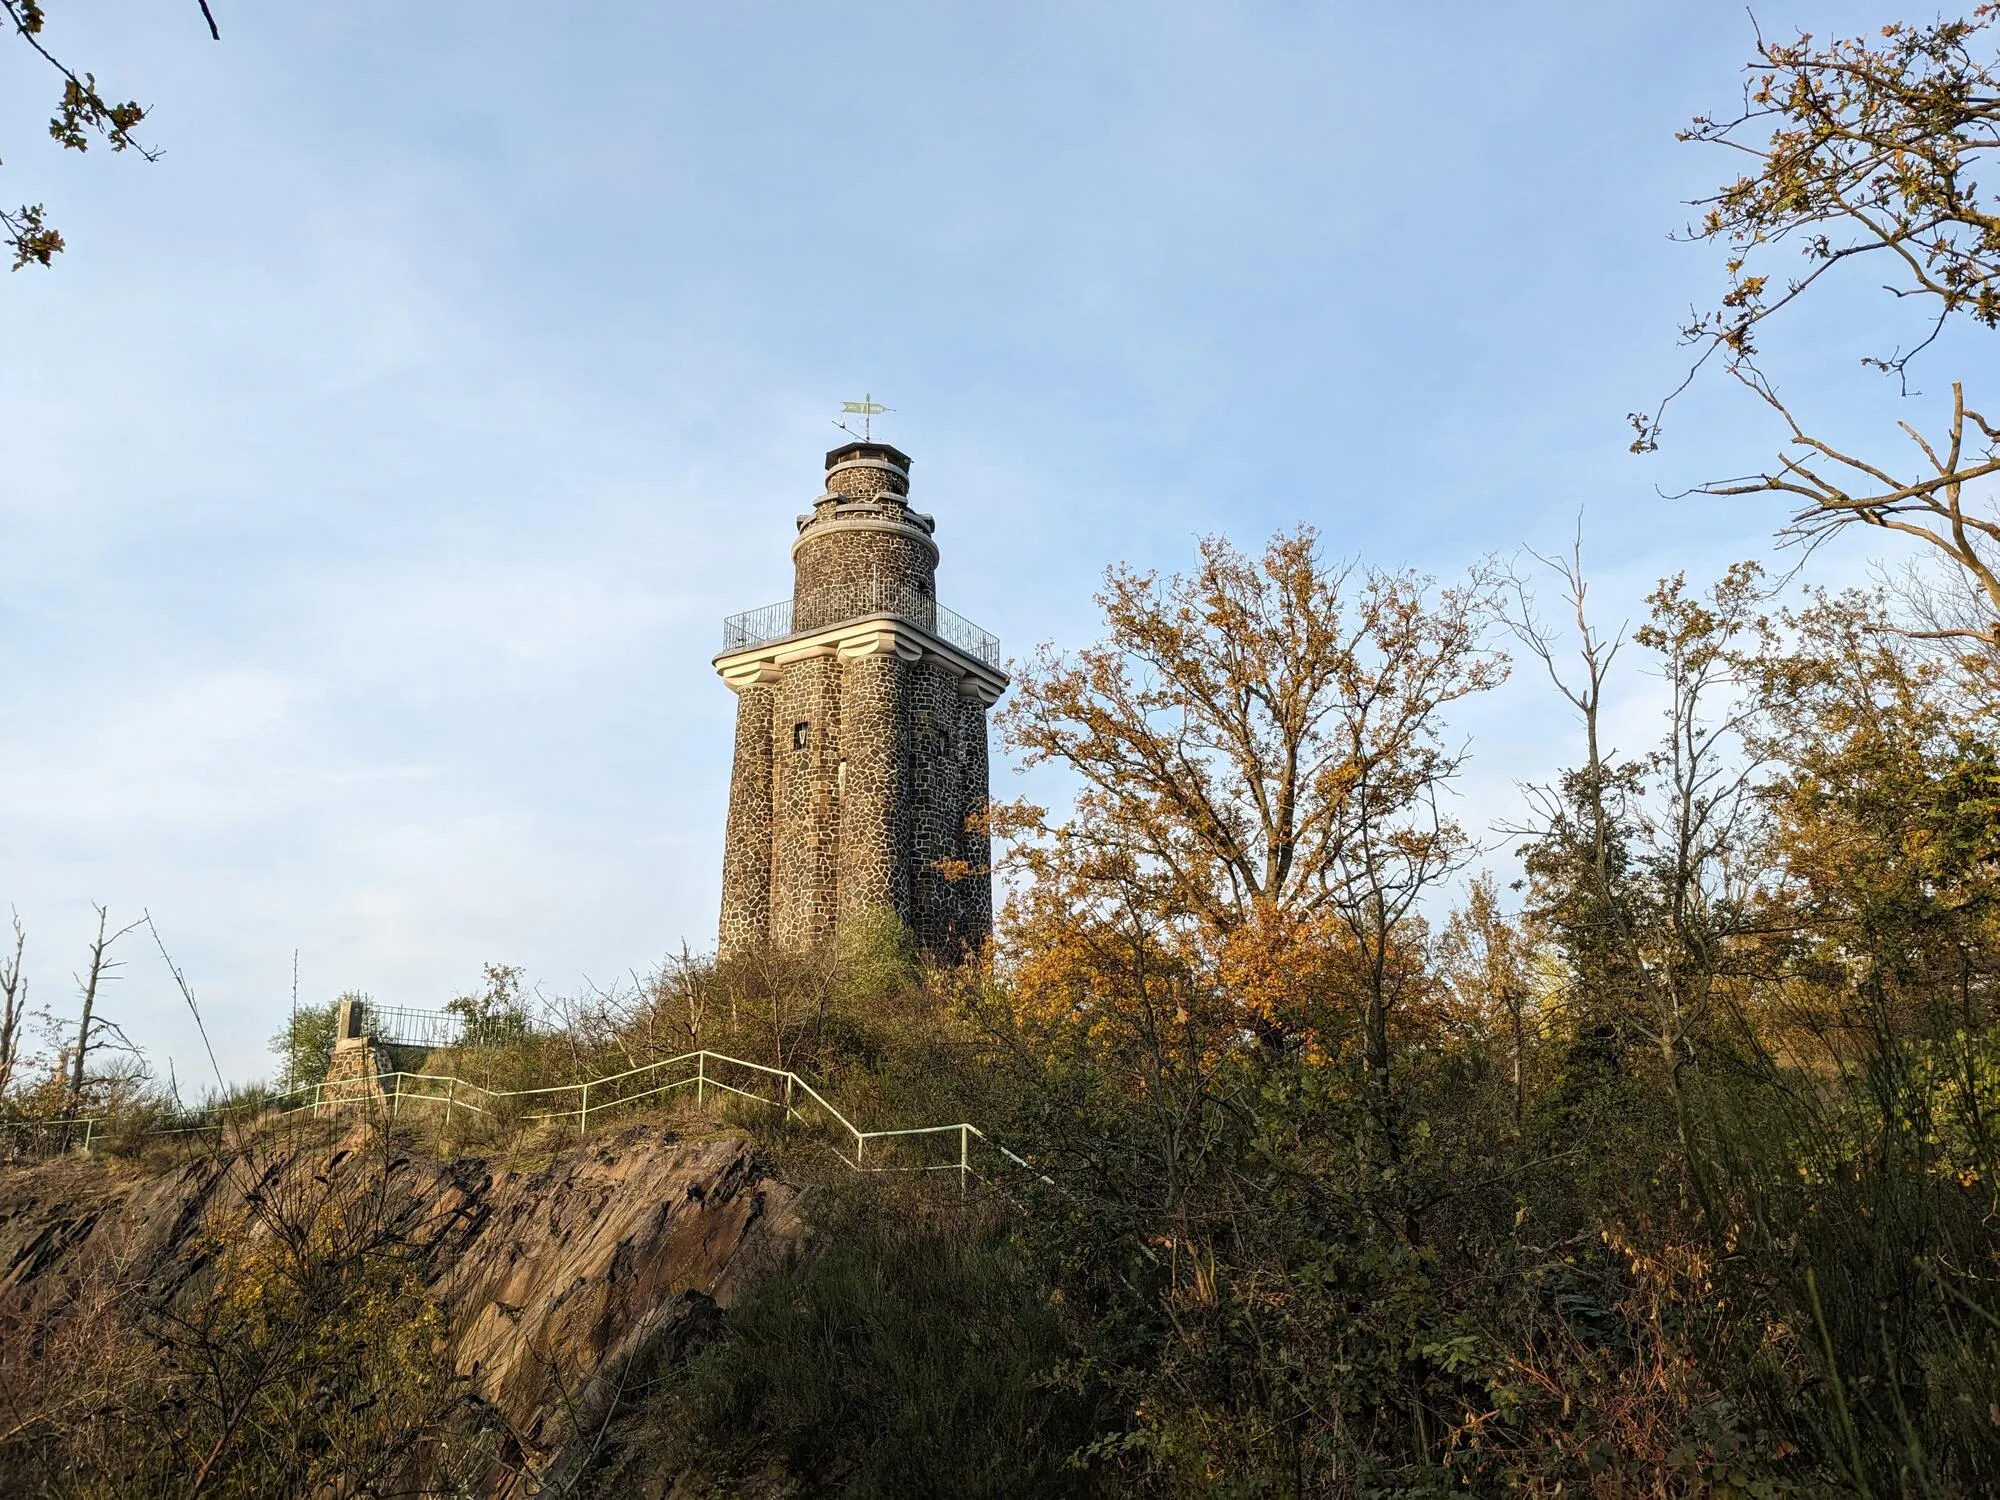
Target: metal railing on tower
773	622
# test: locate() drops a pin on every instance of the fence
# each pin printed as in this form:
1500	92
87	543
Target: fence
923	1148
773	622
36	1139
753	627
399	1026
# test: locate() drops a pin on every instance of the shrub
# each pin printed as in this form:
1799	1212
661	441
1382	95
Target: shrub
915	1354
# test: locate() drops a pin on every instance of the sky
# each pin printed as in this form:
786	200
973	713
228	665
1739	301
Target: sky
377	465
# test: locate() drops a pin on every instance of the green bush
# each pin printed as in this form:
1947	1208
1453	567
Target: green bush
304	1049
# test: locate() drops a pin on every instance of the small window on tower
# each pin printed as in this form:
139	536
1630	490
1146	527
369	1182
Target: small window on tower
801	734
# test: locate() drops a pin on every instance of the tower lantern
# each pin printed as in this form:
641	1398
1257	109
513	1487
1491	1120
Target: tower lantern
860	730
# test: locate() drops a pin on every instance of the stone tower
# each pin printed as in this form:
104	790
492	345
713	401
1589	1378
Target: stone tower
860	730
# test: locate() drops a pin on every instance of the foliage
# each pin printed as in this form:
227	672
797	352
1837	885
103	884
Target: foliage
1246	732
1870	152
1668	1169
497	1014
1873	155
918	1354
1679	1178
304	1049
83	113
1691	1187
1264	761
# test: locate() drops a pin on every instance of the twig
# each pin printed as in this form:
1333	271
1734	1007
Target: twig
187	994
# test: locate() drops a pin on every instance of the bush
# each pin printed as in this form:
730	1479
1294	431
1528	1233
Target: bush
305	1047
917	1354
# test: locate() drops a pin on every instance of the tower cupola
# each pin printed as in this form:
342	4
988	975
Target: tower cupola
862	549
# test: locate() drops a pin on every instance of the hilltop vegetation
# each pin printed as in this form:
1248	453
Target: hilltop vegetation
1669	1169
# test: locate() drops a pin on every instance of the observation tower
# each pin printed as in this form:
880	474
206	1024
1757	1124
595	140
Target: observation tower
860	731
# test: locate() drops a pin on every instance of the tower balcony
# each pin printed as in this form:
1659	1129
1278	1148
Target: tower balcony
754	627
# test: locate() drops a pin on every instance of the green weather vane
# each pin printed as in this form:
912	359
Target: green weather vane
868	409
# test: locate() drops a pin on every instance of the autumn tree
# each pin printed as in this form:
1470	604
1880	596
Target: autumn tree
1867	157
1884	913
83	114
1262	754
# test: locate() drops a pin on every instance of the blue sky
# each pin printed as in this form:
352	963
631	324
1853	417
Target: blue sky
379	463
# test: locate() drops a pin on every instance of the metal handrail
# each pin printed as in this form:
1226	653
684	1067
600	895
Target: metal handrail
433	1030
753	627
358	1090
954	629
774	622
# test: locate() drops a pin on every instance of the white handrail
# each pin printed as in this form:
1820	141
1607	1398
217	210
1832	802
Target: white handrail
336	1093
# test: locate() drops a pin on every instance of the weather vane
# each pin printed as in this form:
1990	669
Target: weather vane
868	409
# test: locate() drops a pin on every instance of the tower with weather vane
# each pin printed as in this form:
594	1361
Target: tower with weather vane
860	775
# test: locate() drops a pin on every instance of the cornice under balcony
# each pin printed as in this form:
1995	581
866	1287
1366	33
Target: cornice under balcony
869	635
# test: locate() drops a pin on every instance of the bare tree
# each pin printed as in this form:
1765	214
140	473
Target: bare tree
13	1005
1645	866
92	1028
1592	786
1927	501
1658	840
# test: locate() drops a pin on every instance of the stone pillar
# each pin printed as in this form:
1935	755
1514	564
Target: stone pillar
975	847
871	784
746	850
933	734
351	1073
805	759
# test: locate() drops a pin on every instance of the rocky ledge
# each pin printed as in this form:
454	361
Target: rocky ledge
555	1281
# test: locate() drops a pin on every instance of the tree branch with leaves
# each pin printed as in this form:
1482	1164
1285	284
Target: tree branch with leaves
1865	152
83	113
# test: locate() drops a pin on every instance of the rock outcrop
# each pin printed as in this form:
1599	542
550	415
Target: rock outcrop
556	1281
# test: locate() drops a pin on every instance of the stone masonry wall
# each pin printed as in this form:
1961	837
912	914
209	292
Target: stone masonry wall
936	747
863	478
843	574
975	892
806	732
872	783
746	849
353	1074
854	781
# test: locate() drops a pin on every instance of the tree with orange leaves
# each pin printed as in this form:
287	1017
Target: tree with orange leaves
1262	749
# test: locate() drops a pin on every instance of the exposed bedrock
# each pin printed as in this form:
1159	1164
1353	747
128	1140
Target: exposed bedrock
618	1253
